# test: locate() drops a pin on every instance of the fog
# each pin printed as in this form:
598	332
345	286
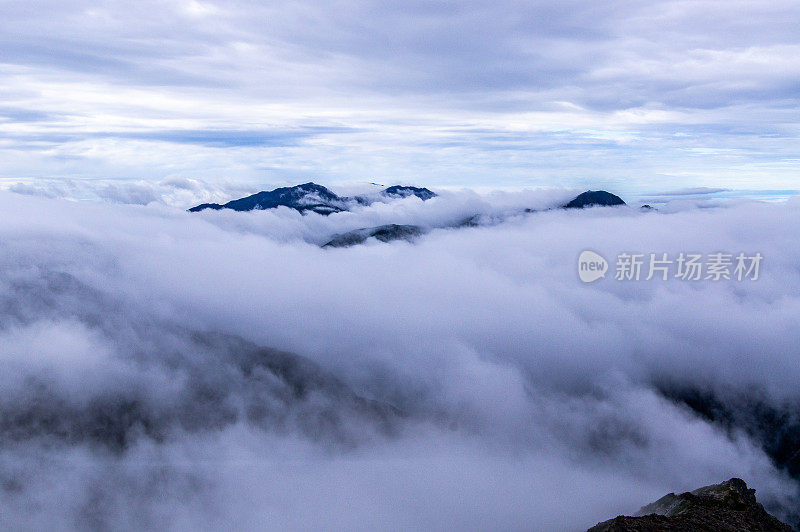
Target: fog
168	370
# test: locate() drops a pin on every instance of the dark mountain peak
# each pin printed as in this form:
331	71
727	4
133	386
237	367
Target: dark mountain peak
401	191
310	197
306	197
727	507
308	188
592	198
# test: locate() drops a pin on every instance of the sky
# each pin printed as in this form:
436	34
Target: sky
633	97
161	369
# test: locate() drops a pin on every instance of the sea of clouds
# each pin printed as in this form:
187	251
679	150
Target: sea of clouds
168	370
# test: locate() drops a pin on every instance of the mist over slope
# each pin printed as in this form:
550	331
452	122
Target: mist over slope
162	369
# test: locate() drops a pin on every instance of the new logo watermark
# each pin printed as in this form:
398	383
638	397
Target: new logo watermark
591	266
663	266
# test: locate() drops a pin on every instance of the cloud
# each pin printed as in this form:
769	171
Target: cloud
16	114
696	191
175	190
167	369
533	94
227	138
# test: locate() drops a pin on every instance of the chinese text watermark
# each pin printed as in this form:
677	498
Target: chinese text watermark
663	266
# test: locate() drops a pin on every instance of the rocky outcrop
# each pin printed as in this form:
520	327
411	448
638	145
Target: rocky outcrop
727	507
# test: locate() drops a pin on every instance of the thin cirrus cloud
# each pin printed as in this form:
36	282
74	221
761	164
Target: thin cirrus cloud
220	138
616	94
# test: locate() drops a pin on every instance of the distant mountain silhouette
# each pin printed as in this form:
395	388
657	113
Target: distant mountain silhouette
316	198
400	191
310	197
592	198
305	197
384	233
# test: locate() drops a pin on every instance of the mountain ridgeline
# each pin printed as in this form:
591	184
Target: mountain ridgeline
727	507
311	197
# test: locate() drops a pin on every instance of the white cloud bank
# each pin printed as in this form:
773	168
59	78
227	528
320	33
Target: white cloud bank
492	388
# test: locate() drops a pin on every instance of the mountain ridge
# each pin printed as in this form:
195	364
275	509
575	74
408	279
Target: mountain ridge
726	507
311	197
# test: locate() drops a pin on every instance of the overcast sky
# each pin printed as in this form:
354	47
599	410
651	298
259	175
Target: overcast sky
628	96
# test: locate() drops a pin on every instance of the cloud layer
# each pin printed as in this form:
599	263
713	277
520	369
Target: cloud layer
618	95
163	369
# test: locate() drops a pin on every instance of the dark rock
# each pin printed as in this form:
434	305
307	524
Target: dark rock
399	191
726	507
384	233
646	207
592	198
